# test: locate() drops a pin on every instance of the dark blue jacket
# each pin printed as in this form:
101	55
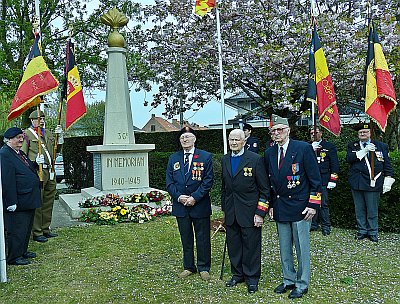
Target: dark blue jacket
299	168
197	183
20	182
328	162
359	177
252	144
244	192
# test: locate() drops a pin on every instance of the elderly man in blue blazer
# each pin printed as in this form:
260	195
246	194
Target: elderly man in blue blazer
21	196
296	194
189	179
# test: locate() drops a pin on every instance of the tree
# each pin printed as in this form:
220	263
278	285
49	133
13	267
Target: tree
265	45
56	17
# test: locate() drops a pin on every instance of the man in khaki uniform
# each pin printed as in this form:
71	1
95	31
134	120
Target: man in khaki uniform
41	224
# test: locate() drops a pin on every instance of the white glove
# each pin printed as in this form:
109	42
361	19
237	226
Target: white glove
315	145
40	159
12	208
370	147
331	185
58	130
387	184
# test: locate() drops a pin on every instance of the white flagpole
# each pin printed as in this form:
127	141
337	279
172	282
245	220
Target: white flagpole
313	120
221	79
3	264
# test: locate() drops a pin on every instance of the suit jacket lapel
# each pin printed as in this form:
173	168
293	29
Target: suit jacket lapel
243	161
228	166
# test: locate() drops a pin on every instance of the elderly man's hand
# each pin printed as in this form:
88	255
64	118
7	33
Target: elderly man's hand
12	208
183	198
309	213
190	201
258	220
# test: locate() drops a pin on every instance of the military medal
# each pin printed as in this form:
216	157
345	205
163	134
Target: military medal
289	185
245	171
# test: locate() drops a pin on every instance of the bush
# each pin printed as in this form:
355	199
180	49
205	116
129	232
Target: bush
79	169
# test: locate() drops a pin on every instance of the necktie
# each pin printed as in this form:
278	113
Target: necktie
281	157
186	163
23	158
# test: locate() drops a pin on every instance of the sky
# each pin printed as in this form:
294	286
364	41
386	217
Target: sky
209	114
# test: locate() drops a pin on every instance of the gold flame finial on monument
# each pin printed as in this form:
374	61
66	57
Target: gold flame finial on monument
115	19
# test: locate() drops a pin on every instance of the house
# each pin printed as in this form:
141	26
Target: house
158	124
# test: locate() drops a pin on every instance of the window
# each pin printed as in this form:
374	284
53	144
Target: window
153	128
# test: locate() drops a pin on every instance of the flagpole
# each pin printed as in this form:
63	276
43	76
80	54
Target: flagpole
221	79
313	116
3	264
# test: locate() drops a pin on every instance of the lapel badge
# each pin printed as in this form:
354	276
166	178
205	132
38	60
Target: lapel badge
245	171
295	168
177	166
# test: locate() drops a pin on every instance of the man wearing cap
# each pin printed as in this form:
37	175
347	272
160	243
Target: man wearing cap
366	186
189	179
244	201
296	195
41	224
21	196
328	164
252	143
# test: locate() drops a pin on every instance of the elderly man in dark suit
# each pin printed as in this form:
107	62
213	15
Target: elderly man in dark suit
21	196
296	194
365	187
244	202
328	164
189	179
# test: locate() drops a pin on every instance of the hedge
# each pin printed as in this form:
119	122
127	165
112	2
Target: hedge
80	172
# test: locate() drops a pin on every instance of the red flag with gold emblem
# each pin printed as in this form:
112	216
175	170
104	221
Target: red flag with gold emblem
37	80
203	7
380	98
75	108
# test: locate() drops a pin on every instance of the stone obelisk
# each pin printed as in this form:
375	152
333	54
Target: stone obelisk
119	163
120	166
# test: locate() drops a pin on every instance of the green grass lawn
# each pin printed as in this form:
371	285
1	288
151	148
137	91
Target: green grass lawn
139	263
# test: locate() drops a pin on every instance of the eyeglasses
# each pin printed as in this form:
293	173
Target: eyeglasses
183	137
235	139
278	130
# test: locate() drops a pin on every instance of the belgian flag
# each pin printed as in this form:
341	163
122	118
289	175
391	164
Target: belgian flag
37	80
203	7
320	87
75	108
379	95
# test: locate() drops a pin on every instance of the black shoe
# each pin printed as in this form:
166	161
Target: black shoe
20	261
252	288
360	236
326	232
373	238
29	255
313	229
50	235
297	293
232	282
40	239
282	288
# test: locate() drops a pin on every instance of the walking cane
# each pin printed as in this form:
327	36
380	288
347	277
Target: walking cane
223	260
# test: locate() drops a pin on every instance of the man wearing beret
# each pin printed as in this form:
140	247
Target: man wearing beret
244	201
189	179
41	224
328	165
366	186
296	195
252	143
21	196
